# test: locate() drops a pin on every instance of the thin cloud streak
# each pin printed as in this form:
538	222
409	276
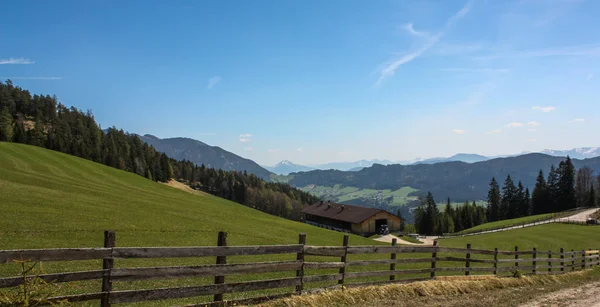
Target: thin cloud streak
32	78
410	29
389	69
16	61
212	82
515	125
577	120
459	131
477	70
544	109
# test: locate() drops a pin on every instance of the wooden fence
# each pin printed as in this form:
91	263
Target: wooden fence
433	259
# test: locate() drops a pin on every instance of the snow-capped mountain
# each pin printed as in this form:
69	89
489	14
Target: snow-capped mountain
285	167
576	153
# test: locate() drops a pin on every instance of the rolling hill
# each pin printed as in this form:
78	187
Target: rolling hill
50	199
201	153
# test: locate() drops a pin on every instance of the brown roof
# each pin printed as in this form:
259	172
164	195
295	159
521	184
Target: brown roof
341	212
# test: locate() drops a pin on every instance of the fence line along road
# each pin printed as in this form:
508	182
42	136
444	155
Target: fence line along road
406	264
566	217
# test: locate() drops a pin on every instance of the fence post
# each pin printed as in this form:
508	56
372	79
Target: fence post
107	266
534	262
496	261
562	259
516	257
583	260
393	264
300	257
468	260
549	261
343	269
221	241
572	260
434	259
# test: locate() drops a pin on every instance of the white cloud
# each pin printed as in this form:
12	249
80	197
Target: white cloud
273	150
32	78
246	138
495	131
515	125
389	68
577	120
300	149
248	148
410	29
212	82
544	109
16	61
533	124
459	131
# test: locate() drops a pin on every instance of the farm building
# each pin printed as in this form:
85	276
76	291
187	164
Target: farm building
348	218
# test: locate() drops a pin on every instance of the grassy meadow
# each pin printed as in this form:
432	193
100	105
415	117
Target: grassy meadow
508	223
49	199
344	193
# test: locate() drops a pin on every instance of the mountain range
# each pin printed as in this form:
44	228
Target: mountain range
460	181
201	153
286	167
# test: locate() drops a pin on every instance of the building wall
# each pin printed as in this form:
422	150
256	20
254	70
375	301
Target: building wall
369	225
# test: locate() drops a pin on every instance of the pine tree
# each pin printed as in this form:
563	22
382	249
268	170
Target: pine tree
527	203
6	125
553	190
539	197
520	205
566	184
507	206
493	208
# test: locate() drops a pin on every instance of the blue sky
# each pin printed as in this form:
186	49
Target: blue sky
320	81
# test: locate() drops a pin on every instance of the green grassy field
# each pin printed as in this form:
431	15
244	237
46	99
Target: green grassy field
344	194
544	237
49	199
507	223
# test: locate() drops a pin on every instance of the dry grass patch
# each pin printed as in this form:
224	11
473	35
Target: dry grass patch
443	287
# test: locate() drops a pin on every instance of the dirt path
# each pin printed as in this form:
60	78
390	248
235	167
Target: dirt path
580	217
388	238
587	295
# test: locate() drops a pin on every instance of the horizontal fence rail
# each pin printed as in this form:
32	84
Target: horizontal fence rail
403	264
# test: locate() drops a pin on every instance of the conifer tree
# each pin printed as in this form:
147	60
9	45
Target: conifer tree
493	207
539	197
507	206
553	190
566	185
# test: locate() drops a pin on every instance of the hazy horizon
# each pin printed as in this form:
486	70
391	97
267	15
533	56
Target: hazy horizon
315	82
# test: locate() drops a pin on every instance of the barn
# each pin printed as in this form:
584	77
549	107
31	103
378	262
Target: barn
348	218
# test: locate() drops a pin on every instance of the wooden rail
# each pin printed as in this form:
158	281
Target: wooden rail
406	264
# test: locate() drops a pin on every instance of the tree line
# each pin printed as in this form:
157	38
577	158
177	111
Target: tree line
42	121
562	190
430	220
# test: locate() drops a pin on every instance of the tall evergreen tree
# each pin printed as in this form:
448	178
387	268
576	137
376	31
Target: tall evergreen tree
527	202
566	184
521	205
493	207
6	125
508	205
553	190
539	197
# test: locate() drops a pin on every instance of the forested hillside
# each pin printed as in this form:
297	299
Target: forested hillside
201	153
42	121
458	180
